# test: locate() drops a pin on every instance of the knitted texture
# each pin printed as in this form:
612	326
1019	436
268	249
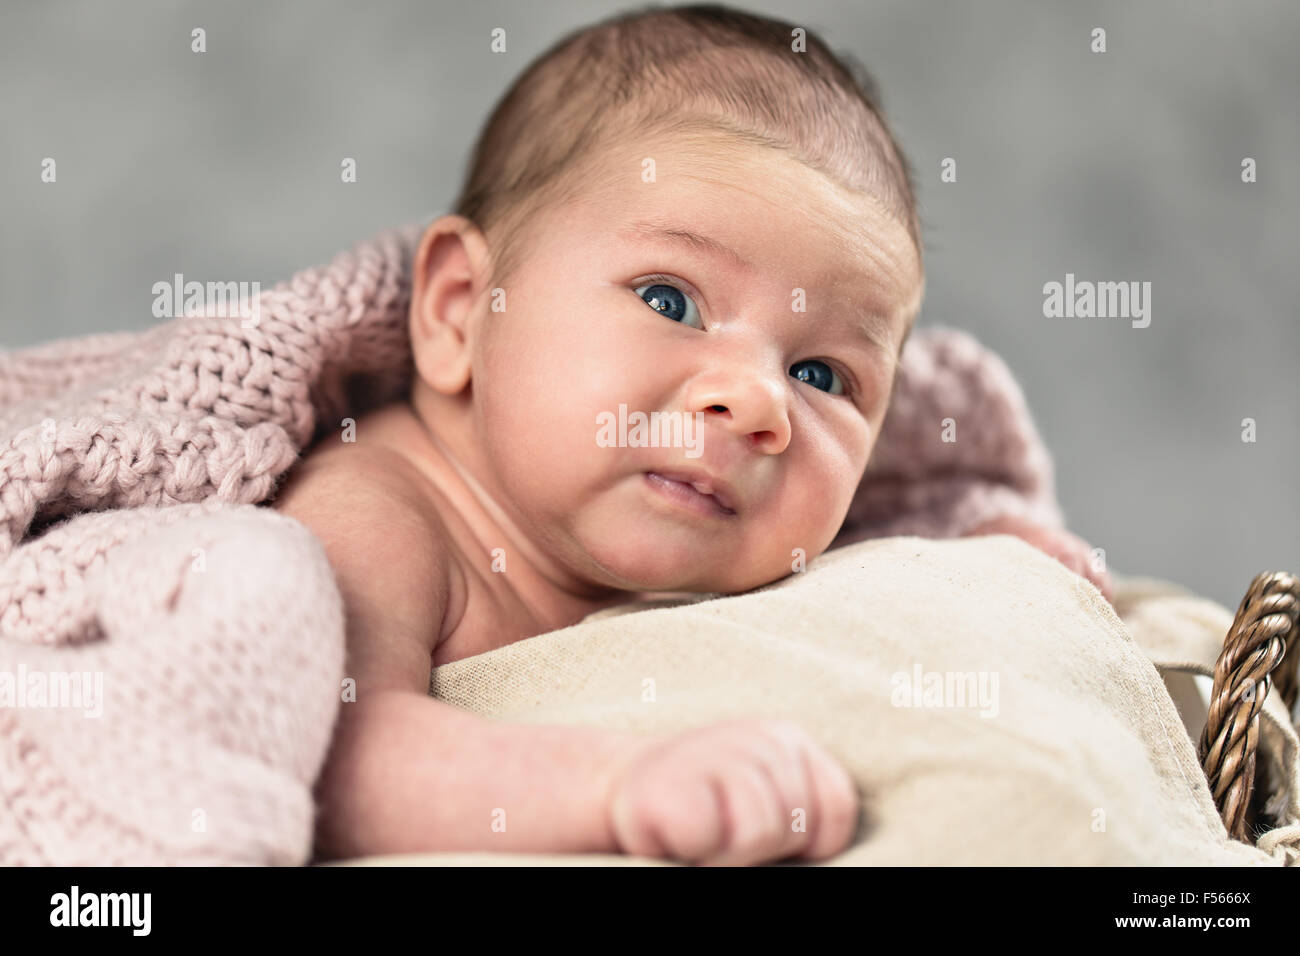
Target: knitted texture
201	407
216	625
213	629
212	636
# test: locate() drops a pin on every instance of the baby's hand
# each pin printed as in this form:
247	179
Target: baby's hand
1069	549
732	794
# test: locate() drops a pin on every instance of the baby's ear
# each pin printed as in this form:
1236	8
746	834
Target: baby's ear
447	279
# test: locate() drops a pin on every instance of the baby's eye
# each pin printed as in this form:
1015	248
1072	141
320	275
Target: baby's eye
818	375
672	302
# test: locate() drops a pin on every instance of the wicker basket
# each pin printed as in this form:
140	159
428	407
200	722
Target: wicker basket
1258	652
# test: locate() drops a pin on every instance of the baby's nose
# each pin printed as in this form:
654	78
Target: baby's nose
750	407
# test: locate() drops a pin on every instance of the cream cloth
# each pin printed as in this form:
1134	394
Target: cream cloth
1067	747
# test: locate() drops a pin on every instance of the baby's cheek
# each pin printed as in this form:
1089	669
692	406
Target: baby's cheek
814	514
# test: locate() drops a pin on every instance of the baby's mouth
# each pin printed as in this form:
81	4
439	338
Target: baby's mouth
697	494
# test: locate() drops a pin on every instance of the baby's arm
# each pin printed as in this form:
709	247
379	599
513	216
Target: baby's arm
407	773
411	774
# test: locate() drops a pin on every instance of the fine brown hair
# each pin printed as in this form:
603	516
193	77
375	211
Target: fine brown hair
659	69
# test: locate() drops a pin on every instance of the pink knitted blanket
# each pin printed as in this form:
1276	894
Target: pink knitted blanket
171	654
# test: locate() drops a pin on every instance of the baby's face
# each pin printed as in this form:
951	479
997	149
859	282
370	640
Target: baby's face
782	351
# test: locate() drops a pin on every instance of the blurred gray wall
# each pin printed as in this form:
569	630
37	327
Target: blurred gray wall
1116	166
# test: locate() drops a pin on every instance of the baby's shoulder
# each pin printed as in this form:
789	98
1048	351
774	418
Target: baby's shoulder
389	551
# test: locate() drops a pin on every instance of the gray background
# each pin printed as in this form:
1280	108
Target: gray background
1116	166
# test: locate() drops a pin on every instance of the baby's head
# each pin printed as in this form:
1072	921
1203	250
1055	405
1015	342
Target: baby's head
692	212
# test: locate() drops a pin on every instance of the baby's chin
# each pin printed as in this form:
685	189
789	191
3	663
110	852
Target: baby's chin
651	557
638	573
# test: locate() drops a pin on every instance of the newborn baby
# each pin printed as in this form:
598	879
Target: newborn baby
726	240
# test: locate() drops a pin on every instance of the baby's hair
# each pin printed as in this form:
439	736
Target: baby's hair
677	70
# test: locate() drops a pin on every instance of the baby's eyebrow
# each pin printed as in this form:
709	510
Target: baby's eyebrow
666	232
874	328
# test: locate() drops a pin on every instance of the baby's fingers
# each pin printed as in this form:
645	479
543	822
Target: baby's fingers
833	816
821	799
754	827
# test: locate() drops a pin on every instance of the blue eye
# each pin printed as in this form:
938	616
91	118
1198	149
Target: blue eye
818	375
671	302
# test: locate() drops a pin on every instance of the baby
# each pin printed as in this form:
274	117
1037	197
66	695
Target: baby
694	212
